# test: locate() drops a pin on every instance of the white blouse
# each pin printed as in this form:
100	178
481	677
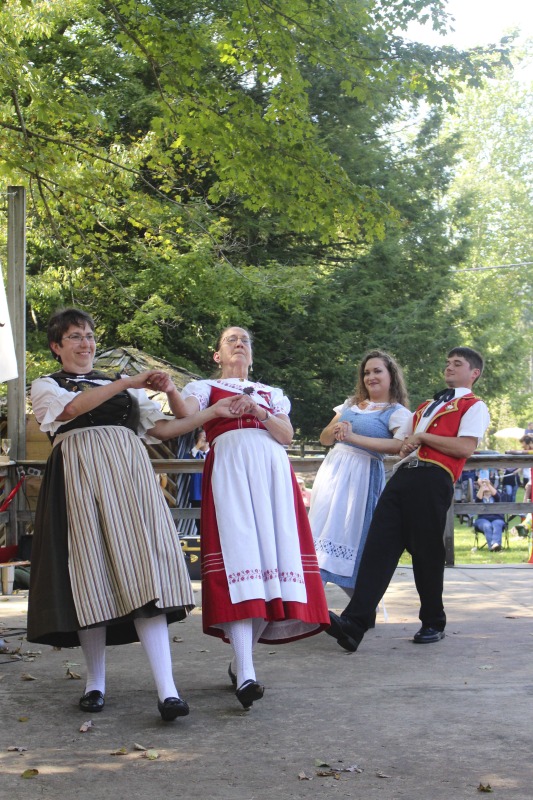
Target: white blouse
49	399
279	403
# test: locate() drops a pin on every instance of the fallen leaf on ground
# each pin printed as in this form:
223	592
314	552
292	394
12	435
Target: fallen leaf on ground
27	677
121	752
151	755
139	746
73	675
15	749
23	719
353	768
328	773
319	762
177	639
30	773
86	726
484	787
303	777
380	774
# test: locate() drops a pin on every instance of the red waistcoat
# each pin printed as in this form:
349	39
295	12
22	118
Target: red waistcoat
445	423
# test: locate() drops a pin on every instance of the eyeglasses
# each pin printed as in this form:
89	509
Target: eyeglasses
234	339
77	338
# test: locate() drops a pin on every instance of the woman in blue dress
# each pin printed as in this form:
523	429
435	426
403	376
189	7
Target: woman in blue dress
367	426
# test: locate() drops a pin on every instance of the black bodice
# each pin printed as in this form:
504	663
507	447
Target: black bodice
122	409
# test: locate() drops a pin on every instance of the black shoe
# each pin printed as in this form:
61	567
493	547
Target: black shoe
249	692
427	635
232	676
92	702
172	707
340	629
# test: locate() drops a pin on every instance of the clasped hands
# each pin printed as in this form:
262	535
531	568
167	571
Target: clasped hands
341	431
242	404
154	379
159	381
410	444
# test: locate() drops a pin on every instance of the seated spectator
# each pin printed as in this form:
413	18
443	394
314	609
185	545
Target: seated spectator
490	525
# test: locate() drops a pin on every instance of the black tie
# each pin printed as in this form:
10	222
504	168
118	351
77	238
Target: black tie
441	397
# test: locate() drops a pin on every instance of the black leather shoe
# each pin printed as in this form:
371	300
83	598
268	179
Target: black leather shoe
340	629
172	707
249	692
232	676
92	702
427	635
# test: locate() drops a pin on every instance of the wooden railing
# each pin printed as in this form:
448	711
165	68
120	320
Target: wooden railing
17	517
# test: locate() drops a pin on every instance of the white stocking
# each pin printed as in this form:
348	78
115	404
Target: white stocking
153	635
241	636
92	641
258	626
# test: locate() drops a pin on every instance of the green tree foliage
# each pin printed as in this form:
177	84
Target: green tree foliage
193	164
393	295
493	290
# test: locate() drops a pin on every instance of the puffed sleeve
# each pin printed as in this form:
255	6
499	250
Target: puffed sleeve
341	408
149	413
280	403
402	420
199	389
48	400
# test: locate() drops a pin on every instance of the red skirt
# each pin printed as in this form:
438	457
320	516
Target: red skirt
288	620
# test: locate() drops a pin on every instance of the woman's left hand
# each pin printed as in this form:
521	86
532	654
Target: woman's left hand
243	405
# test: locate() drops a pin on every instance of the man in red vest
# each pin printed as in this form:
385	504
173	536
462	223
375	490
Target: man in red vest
411	512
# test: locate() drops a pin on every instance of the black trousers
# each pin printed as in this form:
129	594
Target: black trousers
410	515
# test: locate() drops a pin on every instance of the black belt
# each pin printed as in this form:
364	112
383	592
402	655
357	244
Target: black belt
414	463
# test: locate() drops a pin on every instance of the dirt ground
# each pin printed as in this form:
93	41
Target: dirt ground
446	721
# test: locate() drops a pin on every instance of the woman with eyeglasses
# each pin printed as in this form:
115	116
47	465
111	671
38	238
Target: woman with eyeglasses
365	427
107	566
260	578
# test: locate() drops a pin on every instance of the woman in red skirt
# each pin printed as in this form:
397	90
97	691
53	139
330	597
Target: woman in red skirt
260	577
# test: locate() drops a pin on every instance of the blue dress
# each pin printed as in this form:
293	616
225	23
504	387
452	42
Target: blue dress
346	491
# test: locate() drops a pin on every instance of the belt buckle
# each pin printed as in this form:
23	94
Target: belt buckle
413	463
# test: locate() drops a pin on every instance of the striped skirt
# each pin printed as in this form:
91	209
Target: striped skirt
104	529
